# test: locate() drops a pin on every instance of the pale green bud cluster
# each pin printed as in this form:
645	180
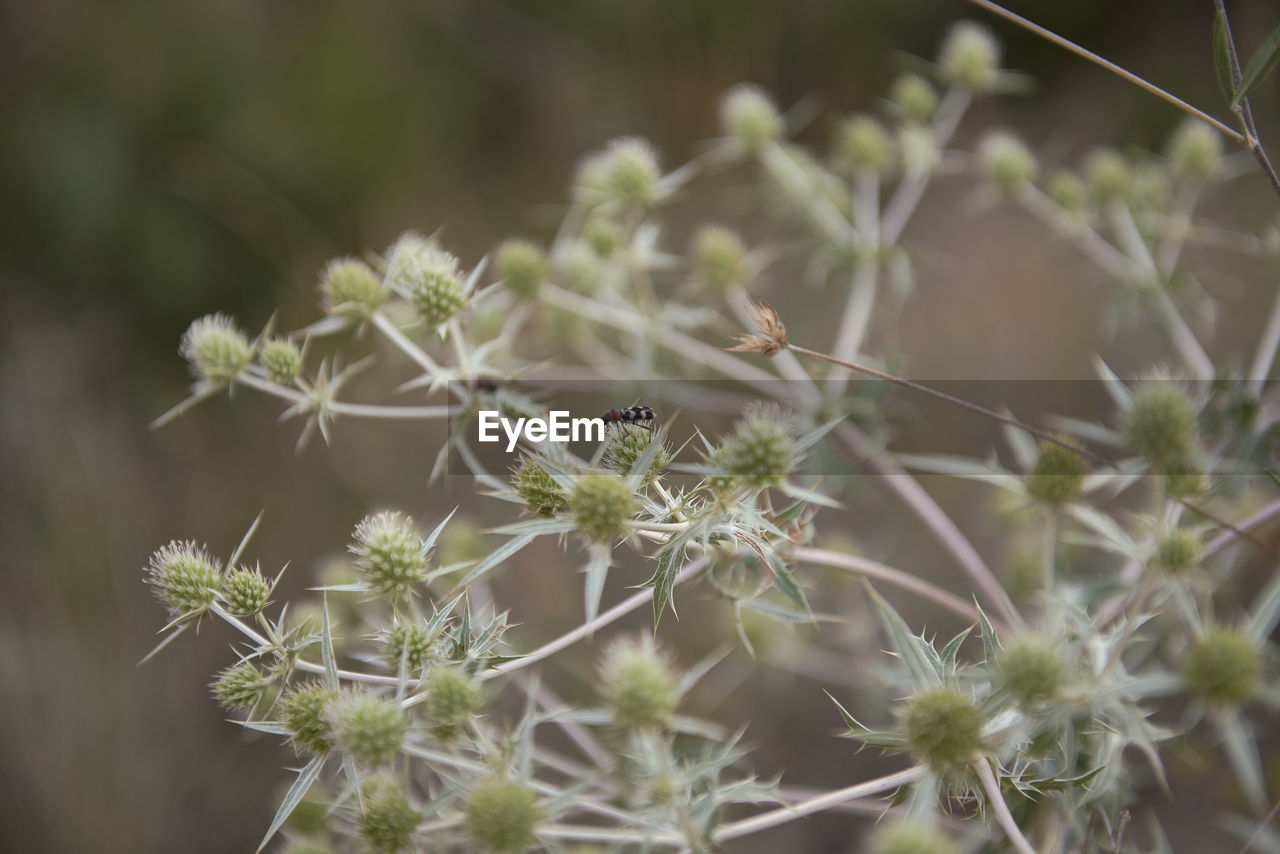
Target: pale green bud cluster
350	289
970	57
523	266
245	591
864	147
503	816
216	349
428	277
626	175
388	819
306	716
1195	151
281	359
914	97
943	728
749	117
1223	668
719	259
240	687
601	506
388	551
1007	162
186	577
368	727
638	684
453	699
538	489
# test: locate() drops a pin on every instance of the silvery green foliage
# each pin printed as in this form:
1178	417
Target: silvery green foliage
1042	727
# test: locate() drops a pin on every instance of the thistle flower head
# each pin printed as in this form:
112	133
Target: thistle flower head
1223	667
601	505
427	276
749	117
388	820
1068	191
408	641
350	289
970	57
1031	668
538	489
503	816
1007	162
1109	175
943	728
306	715
216	349
638	683
761	452
914	97
389	553
453	699
1176	551
719	259
626	175
367	727
1162	426
864	147
626	446
240	687
1058	478
281	359
1195	151
245	591
909	837
603	235
186	577
523	266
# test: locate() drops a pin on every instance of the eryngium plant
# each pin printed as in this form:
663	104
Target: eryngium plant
1042	727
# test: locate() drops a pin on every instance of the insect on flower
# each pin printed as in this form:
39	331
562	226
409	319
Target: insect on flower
638	414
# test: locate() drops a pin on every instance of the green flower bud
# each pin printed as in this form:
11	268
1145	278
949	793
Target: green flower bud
523	266
245	591
1195	151
216	349
863	146
626	174
1162	427
1108	175
503	816
749	117
918	150
1150	190
186	578
281	359
1068	191
453	699
761	452
1031	668
410	642
1008	163
368	727
389	553
240	687
1058	477
428	277
1223	668
1176	551
603	236
579	266
602	505
943	728
538	489
638	684
719	259
350	289
915	98
625	447
388	820
306	715
910	837
970	57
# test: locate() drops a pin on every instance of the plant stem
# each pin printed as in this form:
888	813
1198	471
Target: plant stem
996	799
889	575
745	826
1081	52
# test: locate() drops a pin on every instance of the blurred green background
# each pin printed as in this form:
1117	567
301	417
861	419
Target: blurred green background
163	160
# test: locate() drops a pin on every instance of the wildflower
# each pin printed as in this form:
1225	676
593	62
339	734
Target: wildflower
749	117
216	349
186	577
389	553
638	684
349	288
281	359
522	265
601	505
503	816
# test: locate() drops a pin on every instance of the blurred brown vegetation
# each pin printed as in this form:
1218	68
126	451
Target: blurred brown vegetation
163	160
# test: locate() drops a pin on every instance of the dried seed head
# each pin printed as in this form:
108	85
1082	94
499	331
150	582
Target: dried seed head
349	288
523	266
216	349
503	816
281	359
389	554
637	683
772	335
749	117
